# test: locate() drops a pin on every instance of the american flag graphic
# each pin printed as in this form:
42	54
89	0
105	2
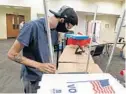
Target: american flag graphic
102	87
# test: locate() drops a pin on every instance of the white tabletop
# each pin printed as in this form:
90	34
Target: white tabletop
77	83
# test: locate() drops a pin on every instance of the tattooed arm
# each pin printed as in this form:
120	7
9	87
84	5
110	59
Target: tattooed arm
14	54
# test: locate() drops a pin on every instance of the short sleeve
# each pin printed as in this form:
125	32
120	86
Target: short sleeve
25	35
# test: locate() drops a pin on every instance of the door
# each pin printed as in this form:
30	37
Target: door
13	22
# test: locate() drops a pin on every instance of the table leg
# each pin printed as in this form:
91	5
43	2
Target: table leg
107	49
57	56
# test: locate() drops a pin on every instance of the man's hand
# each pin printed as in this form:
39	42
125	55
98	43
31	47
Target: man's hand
14	54
47	67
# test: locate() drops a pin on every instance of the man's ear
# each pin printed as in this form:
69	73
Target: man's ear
62	20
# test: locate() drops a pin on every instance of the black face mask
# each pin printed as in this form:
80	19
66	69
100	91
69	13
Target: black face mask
61	27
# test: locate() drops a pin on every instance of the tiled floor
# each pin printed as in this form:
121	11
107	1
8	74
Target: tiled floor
10	71
116	65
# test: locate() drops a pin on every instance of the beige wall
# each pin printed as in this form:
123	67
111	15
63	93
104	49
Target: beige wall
3	12
123	32
81	24
123	29
104	6
113	7
3	32
35	5
106	33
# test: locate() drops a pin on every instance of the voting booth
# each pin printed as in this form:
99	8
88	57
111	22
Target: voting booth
84	83
80	84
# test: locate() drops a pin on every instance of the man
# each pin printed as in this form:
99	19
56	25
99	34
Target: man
21	24
34	42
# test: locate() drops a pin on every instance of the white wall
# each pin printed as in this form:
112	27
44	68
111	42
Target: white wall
3	30
35	5
3	12
106	33
123	29
105	6
81	24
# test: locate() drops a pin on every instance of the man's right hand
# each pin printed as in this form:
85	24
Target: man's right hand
47	68
14	54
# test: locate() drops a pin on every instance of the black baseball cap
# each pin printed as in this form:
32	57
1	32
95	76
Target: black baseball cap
68	14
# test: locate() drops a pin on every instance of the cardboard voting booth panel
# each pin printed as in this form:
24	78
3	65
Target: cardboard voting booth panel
80	84
69	56
75	67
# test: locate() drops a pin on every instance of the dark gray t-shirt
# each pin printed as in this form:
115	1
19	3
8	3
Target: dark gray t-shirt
33	36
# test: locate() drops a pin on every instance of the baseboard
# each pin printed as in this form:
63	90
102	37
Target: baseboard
3	39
